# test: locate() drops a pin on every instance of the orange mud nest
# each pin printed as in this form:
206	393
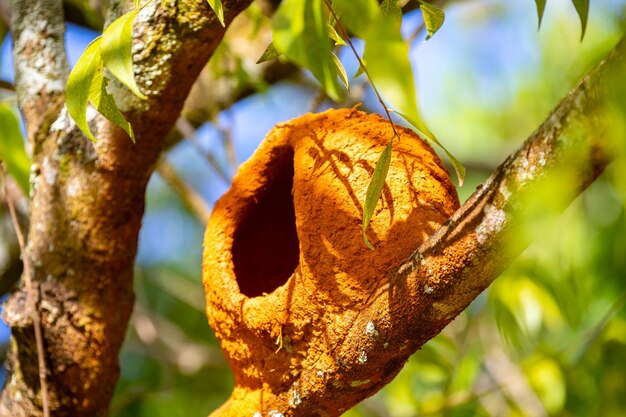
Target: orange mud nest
285	268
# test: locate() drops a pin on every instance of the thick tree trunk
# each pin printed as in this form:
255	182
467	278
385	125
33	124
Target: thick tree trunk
88	199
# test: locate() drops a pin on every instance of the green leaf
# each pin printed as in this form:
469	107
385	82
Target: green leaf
79	85
12	150
433	18
541	7
361	70
116	50
335	36
391	13
421	129
375	188
269	54
343	76
582	7
217	7
300	32
105	104
388	65
358	15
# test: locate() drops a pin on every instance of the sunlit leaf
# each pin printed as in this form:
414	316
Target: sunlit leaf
269	54
12	150
105	104
375	188
217	7
335	36
116	50
358	16
392	75
361	70
301	34
341	71
79	85
541	7
433	18
391	12
582	8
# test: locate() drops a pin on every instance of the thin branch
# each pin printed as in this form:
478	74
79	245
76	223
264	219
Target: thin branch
190	198
33	298
185	127
5	85
5	12
346	37
592	334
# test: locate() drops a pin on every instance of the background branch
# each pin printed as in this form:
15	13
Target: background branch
189	197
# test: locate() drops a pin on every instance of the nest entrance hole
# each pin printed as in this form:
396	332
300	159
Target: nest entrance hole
265	246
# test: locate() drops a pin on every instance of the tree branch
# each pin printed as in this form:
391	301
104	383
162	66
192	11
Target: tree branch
88	201
41	66
482	238
439	280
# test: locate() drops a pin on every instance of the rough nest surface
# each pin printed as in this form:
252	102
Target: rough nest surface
285	268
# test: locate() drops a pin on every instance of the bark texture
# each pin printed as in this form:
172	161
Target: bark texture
88	199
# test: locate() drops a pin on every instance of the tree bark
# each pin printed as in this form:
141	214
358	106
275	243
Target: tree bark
88	199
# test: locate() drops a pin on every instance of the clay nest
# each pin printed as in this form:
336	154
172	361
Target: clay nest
286	271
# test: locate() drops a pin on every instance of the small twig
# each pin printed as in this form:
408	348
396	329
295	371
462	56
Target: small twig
188	131
317	100
346	37
5	12
32	298
5	85
228	143
190	198
416	33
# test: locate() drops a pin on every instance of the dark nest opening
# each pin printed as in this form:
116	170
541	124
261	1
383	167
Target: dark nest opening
265	247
